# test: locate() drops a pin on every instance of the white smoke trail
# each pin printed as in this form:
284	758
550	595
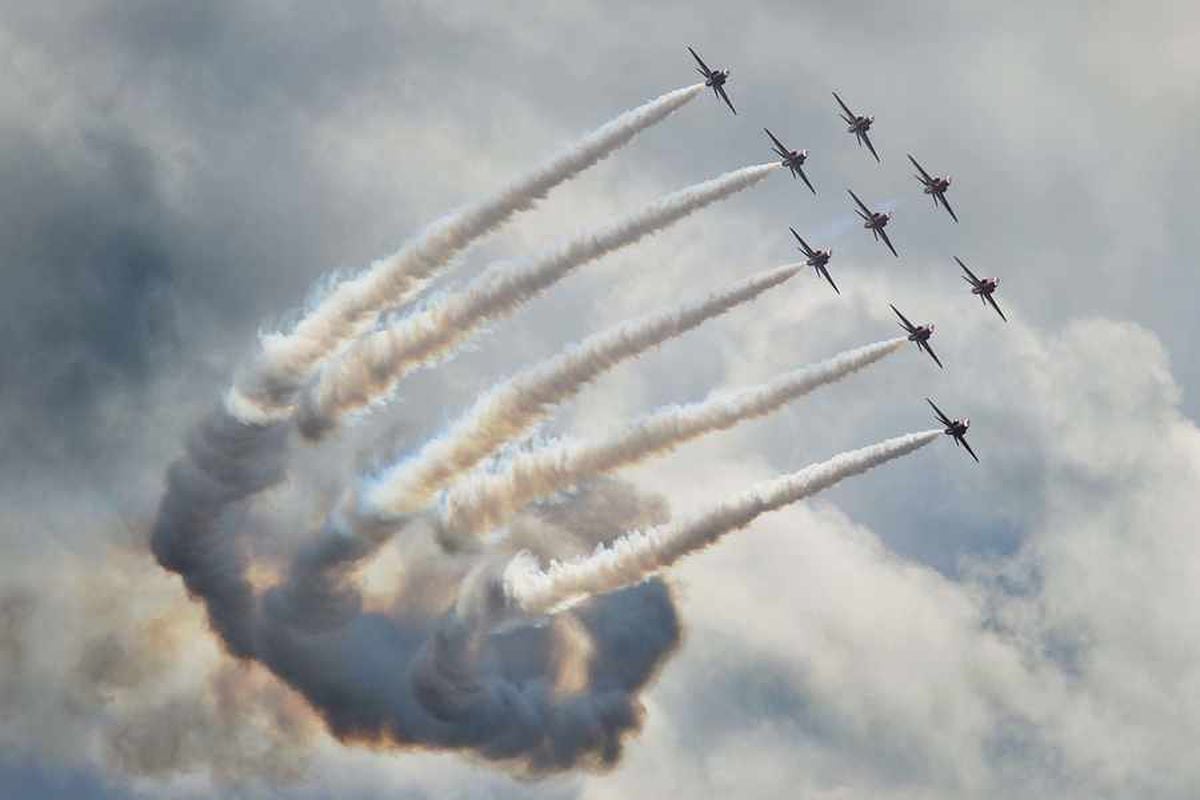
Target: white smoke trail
510	409
373	364
410	670
265	390
485	501
639	555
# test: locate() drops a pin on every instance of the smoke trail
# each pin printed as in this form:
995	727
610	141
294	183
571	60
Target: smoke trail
226	462
408	678
417	669
370	367
264	390
487	500
510	409
641	554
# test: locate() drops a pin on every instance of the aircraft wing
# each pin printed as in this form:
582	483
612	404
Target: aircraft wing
721	91
867	140
941	416
924	175
861	205
825	272
779	148
804	178
946	205
969	450
849	113
883	235
974	279
993	304
907	325
706	71
925	346
803	244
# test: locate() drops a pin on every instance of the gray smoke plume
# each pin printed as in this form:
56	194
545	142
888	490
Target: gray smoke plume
401	678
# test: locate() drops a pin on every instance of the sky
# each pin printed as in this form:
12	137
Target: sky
177	177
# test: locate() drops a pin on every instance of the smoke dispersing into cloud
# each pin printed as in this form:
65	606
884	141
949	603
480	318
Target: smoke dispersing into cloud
423	674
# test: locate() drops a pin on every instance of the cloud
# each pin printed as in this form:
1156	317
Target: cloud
176	176
1051	672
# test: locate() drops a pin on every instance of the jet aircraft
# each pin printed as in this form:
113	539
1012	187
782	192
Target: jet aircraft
919	335
858	124
875	222
714	79
984	287
792	159
935	187
817	259
955	428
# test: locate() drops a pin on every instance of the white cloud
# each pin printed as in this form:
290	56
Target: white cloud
1066	669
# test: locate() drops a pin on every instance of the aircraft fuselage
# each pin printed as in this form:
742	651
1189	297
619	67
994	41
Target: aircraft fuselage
937	186
921	333
820	258
795	158
877	221
986	286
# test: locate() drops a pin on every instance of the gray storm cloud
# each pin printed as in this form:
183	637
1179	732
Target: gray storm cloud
416	669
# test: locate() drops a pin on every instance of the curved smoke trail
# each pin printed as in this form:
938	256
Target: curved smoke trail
265	389
637	556
485	501
417	678
227	461
421	672
373	365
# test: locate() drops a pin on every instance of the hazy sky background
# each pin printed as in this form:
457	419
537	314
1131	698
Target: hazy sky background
174	177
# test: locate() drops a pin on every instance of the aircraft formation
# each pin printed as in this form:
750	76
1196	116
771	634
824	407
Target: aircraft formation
935	186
